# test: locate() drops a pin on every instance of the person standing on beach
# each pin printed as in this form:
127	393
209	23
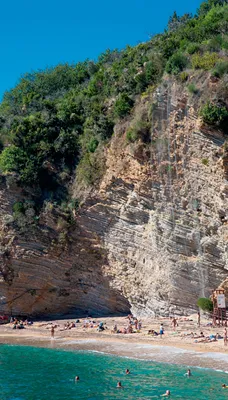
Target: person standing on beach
52	331
136	324
198	319
161	330
225	337
174	323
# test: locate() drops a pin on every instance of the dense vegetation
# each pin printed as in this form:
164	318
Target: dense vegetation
205	304
56	122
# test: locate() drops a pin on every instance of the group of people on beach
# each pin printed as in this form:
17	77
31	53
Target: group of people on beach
19	323
133	326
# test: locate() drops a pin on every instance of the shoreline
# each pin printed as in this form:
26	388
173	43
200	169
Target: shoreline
172	348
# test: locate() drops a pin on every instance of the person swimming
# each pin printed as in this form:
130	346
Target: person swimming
119	385
188	373
127	371
166	394
76	378
224	386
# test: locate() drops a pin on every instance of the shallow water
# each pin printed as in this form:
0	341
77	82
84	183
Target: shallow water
30	373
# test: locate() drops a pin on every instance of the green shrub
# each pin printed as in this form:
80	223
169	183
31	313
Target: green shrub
205	304
18	207
73	204
214	114
91	167
225	44
132	135
176	63
205	161
140	129
204	61
123	105
215	43
12	158
92	145
221	68
193	48
183	76
192	88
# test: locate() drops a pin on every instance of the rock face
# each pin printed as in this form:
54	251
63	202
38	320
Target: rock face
152	238
41	277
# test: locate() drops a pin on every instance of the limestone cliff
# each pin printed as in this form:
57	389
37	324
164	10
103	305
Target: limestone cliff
151	238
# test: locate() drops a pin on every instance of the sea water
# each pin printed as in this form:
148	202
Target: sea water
30	373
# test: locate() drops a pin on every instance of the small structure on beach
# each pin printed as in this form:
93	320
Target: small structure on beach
219	307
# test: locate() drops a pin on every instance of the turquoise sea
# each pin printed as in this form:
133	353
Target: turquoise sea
30	373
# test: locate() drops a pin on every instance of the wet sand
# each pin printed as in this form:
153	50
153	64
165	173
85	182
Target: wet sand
175	347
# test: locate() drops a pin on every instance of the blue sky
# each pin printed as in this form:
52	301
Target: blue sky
36	34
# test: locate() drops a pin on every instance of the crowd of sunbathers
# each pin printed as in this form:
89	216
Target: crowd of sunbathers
19	324
133	326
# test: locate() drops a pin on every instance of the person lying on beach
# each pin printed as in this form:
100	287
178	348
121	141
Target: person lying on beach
27	322
18	325
207	339
152	332
185	319
191	334
218	336
166	394
201	335
50	325
101	327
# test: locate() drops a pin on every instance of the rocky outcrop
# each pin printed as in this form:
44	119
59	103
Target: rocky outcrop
153	237
40	276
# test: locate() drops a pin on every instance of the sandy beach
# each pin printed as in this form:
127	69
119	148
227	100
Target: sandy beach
176	346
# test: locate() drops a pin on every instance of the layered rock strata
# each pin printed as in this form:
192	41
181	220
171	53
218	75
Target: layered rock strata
152	238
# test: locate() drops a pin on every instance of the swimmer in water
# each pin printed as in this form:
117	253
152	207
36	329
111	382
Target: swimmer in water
166	394
119	385
76	378
127	371
224	386
188	373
